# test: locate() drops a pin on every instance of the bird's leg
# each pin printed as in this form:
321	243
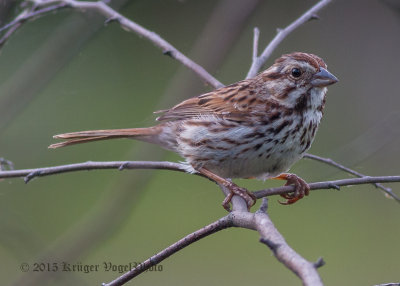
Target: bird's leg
234	189
301	188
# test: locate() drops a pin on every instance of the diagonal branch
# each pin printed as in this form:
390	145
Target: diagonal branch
258	62
45	6
212	228
270	236
386	190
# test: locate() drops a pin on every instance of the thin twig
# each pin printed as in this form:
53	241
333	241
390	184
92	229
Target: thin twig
255	43
329	185
127	24
4	164
24	16
329	161
29	174
212	228
282	34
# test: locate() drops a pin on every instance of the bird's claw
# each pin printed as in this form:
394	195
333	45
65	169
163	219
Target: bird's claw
301	188
248	196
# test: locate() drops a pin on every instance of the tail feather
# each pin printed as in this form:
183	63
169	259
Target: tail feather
96	135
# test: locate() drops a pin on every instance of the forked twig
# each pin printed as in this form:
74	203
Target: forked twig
310	14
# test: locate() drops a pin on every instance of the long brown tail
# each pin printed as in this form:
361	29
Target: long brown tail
144	134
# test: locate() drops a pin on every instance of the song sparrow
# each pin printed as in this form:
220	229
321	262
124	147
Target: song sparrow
256	127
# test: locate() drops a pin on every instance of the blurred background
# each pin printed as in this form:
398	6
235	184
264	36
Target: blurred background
67	71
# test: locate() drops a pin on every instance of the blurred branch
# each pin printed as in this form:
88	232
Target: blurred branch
256	37
258	221
258	62
4	164
31	12
44	6
29	174
388	191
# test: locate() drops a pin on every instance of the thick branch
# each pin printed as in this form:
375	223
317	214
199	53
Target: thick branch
305	270
44	6
258	62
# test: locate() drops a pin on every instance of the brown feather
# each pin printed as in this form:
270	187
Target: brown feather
96	135
234	102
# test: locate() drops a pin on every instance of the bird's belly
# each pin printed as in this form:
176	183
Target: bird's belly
243	151
268	162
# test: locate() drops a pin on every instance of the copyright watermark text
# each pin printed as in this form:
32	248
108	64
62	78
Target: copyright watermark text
85	267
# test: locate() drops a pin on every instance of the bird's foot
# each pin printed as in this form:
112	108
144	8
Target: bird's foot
234	189
301	188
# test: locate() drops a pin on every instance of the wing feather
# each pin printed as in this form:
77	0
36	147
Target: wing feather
234	102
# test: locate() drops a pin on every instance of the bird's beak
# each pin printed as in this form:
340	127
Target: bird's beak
323	78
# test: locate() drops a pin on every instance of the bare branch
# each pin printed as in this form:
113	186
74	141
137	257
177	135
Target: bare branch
305	270
214	227
329	185
388	191
129	25
282	34
4	164
260	222
25	15
255	43
29	174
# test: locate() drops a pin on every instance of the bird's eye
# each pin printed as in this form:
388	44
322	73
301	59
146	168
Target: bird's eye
296	72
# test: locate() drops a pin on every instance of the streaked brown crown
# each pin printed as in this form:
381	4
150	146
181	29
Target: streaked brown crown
311	59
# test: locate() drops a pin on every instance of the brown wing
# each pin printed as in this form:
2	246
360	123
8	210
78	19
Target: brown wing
234	102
